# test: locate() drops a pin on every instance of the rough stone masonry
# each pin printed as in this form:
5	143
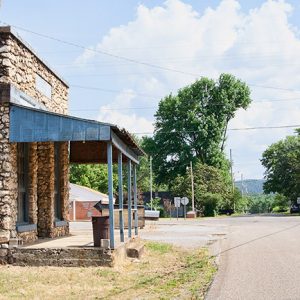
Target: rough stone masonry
22	68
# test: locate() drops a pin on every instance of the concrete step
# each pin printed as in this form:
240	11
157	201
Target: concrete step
68	257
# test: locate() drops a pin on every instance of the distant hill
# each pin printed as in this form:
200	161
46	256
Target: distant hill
251	186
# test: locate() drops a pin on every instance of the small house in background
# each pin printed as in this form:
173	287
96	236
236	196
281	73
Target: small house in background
82	201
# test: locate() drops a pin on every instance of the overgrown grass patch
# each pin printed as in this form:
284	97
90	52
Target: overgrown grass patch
161	248
165	272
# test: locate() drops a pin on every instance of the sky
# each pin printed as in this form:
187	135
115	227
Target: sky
257	41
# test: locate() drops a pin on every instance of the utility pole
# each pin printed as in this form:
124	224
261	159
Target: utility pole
151	199
231	173
192	182
242	182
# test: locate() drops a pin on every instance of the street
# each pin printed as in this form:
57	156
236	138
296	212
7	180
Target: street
258	256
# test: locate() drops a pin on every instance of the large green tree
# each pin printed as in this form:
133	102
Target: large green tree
192	125
282	163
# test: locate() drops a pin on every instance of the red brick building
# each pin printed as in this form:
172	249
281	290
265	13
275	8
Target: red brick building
82	201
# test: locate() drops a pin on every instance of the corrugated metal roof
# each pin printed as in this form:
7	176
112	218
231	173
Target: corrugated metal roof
82	194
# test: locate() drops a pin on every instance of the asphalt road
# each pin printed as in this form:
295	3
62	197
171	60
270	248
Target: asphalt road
258	256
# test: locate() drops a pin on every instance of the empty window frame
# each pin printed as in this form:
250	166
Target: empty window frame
43	86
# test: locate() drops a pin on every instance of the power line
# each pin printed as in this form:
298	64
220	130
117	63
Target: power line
156	107
127	58
112	91
155	96
101	51
230	129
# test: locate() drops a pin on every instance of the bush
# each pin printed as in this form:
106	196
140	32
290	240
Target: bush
210	204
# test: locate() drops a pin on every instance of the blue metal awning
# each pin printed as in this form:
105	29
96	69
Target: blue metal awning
35	125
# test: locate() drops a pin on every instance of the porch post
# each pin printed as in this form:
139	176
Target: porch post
120	182
110	194
136	220
129	197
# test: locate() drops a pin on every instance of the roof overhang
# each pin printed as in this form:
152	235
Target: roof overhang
87	138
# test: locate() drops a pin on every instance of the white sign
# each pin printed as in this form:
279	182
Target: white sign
177	201
298	200
184	200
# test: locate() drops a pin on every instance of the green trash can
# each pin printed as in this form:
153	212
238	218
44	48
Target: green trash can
100	229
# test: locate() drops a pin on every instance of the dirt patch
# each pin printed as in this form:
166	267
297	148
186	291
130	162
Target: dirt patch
164	272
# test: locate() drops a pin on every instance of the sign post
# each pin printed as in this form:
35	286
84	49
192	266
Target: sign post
184	201
177	204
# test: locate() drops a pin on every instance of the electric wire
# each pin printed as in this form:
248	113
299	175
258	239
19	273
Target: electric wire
131	60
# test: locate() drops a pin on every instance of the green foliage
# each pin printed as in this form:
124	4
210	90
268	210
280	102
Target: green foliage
266	203
240	203
282	163
281	203
92	176
260	203
212	188
155	203
210	203
192	125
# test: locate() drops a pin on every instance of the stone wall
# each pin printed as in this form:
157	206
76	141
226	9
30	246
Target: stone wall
21	67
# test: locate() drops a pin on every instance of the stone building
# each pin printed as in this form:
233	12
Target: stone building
37	142
33	176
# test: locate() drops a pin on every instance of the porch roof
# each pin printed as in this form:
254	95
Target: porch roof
87	137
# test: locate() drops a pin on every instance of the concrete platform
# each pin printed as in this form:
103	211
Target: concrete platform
75	250
81	235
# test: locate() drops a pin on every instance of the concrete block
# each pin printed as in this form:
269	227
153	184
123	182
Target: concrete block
105	243
135	250
191	215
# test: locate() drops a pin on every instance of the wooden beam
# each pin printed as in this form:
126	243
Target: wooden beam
120	145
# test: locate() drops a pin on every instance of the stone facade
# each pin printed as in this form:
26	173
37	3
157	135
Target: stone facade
20	67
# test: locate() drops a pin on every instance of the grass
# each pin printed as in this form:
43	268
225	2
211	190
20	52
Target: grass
164	272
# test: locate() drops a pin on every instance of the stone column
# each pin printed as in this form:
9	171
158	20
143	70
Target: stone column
8	179
64	163
45	190
32	183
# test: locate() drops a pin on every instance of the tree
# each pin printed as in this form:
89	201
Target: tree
93	176
192	125
282	163
211	186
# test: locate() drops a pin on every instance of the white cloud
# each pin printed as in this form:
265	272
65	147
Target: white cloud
259	46
112	113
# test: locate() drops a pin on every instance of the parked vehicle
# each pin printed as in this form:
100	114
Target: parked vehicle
295	208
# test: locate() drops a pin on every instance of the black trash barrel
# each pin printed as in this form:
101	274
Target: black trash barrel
100	229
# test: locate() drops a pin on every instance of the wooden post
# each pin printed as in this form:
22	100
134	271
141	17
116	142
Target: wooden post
120	181
110	195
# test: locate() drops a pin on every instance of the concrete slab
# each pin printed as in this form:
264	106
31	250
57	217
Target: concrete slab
81	235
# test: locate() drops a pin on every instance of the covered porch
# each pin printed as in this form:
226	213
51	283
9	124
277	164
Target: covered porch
89	142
